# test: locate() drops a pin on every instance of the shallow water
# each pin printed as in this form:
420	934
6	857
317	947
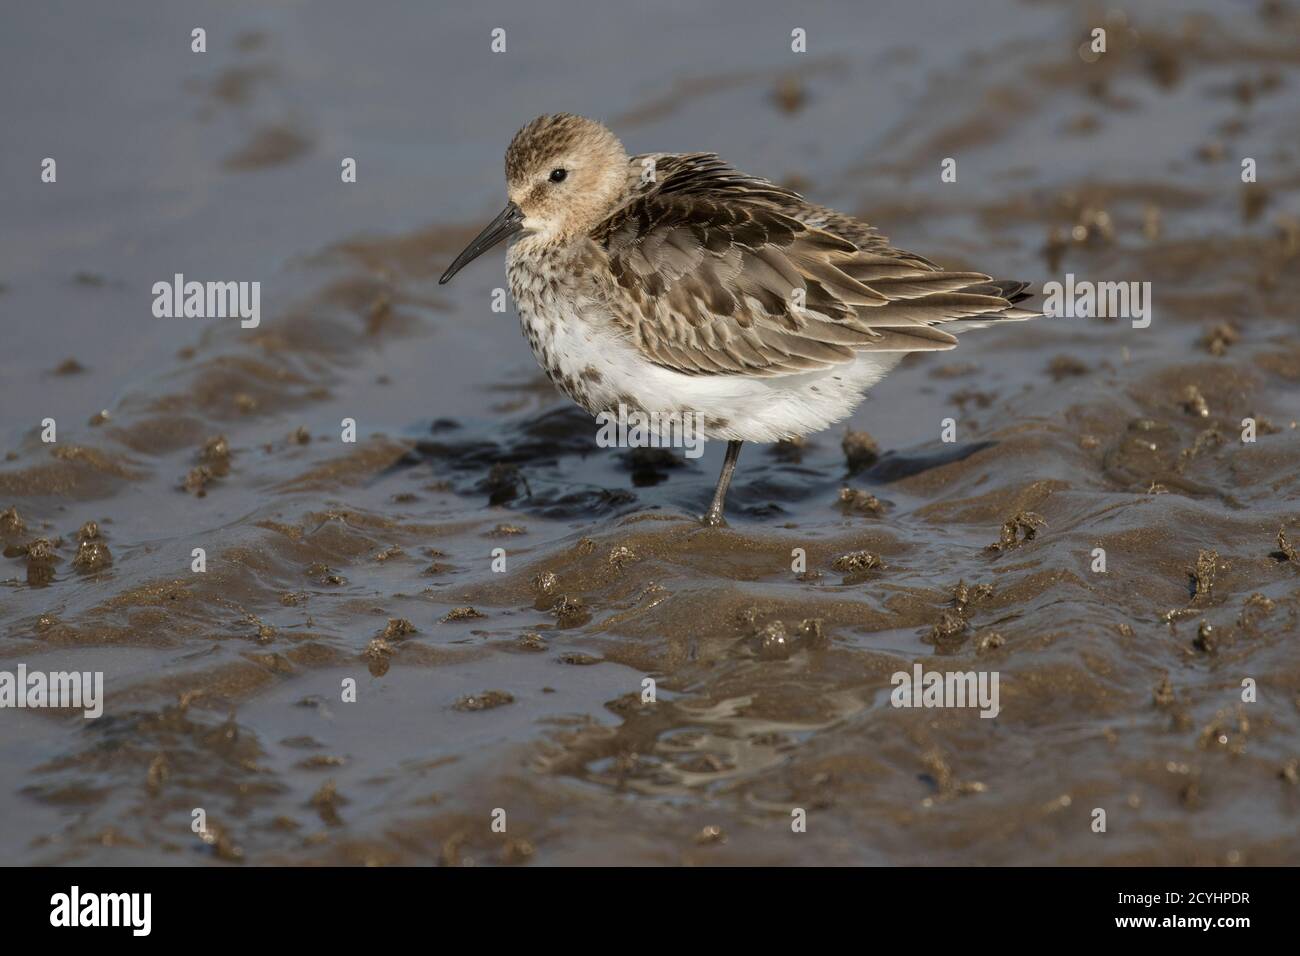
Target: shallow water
223	688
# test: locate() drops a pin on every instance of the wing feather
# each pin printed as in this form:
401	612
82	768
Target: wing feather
718	273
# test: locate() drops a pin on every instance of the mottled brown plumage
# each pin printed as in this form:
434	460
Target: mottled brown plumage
724	273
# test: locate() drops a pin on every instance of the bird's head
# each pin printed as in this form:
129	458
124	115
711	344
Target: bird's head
564	174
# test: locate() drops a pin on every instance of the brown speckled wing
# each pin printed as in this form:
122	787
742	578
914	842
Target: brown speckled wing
709	265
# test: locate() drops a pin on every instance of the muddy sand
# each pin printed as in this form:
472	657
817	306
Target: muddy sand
499	589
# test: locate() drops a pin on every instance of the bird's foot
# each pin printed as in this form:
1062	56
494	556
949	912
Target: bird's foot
713	519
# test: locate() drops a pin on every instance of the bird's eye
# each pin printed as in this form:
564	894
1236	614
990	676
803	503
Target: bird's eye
557	175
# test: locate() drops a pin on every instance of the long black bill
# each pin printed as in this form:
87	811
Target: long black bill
508	223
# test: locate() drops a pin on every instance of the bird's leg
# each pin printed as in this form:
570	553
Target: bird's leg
714	517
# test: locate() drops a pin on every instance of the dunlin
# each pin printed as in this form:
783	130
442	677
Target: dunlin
678	287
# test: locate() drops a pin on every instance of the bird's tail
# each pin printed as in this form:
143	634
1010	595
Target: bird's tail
1012	290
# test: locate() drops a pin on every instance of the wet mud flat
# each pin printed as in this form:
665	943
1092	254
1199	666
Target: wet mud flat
495	589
